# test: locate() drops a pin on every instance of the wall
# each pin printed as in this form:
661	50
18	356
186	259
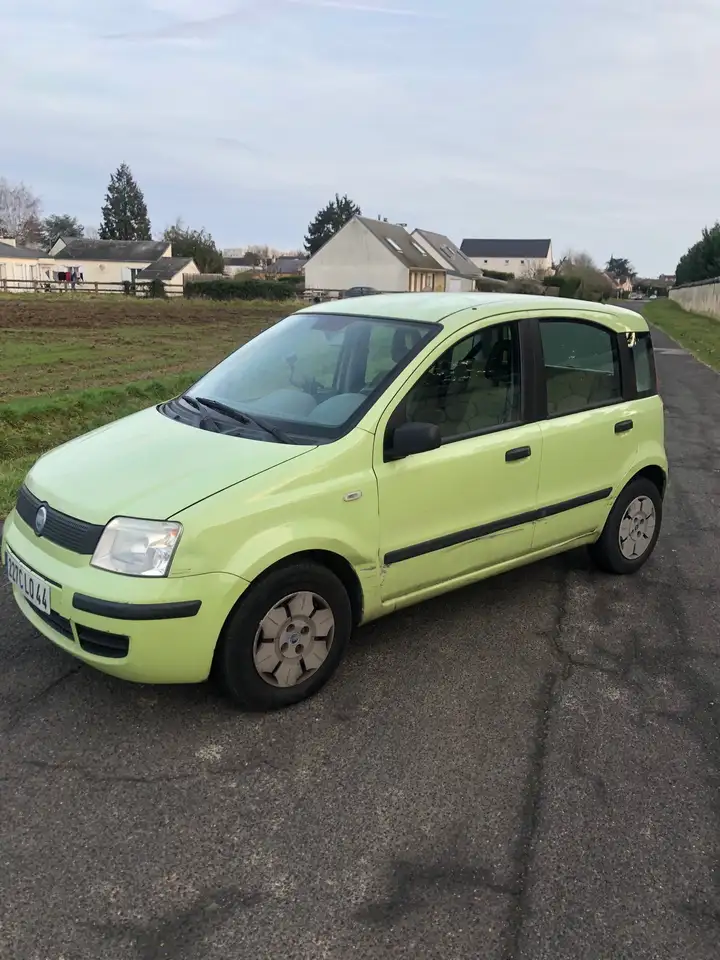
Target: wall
25	270
517	266
99	271
699	297
355	258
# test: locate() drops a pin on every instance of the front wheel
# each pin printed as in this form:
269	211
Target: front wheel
631	531
286	637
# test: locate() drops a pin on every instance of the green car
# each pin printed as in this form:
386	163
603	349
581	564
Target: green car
355	458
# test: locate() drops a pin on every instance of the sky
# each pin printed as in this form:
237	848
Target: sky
593	122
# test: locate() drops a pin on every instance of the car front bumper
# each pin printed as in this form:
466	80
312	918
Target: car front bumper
148	630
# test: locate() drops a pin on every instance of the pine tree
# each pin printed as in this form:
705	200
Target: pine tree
328	221
124	215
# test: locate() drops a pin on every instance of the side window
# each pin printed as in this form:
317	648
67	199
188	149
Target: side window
641	351
582	366
474	386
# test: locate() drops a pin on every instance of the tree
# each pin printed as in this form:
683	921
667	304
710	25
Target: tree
19	212
124	214
197	244
702	261
581	278
328	221
60	225
620	269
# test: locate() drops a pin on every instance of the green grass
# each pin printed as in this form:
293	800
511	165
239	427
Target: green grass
30	426
698	334
68	366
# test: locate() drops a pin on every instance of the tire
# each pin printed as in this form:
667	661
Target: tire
608	552
287	610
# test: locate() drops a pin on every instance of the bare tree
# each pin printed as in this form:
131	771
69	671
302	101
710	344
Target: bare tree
20	212
535	270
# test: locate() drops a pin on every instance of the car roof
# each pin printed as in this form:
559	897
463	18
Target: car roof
449	309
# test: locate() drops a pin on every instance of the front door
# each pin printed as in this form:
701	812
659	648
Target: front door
589	443
449	513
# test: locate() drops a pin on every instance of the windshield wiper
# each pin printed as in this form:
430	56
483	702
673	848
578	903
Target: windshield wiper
240	416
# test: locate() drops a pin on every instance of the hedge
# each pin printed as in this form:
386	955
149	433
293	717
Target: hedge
498	275
240	290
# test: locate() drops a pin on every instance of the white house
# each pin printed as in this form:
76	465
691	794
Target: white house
106	261
519	257
172	271
460	272
22	266
372	253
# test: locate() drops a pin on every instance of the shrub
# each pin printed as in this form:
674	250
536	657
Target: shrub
498	275
526	285
156	290
240	290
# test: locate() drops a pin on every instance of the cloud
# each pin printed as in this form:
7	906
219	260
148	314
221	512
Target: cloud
223	14
594	123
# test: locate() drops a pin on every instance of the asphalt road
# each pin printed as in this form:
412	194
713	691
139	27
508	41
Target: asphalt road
527	769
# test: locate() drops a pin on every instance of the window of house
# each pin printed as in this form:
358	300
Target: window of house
582	366
394	245
472	388
484	261
418	247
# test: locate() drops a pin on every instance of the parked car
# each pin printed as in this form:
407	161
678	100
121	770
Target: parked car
358	292
353	459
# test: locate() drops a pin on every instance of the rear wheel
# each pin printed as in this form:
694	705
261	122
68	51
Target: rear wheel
285	638
631	531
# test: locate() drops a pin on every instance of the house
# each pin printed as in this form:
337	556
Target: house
106	261
373	253
519	257
287	266
23	266
460	272
173	271
247	263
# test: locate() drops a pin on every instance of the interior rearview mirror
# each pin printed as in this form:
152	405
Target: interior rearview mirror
411	438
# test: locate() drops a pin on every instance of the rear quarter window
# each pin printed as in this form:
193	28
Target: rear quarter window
643	359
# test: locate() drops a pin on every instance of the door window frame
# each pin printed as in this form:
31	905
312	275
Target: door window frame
621	352
529	386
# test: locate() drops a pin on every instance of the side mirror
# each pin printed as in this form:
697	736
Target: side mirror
411	438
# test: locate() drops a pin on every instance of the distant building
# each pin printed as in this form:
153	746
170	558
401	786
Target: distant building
376	254
519	257
106	261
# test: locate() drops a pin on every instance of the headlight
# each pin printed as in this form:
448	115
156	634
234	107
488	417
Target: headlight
139	548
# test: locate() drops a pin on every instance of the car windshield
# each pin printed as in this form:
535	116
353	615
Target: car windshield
314	375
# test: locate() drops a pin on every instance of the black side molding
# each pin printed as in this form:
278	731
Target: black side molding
623	426
486	529
136	611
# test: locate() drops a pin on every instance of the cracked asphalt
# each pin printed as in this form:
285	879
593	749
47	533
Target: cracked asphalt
528	770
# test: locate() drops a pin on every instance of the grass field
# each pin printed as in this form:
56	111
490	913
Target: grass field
68	365
700	335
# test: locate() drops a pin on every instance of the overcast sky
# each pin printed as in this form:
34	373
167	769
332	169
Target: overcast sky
594	122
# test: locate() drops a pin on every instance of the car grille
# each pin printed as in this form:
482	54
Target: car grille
102	644
60	624
74	535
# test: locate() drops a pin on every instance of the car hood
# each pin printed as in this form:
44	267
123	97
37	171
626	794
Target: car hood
148	466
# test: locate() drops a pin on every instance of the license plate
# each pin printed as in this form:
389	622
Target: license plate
35	590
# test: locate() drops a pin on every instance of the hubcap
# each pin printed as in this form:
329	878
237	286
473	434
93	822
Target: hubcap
293	639
637	528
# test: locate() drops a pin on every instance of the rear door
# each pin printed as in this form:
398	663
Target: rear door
589	437
447	513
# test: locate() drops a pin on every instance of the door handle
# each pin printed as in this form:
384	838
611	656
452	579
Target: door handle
517	453
623	426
